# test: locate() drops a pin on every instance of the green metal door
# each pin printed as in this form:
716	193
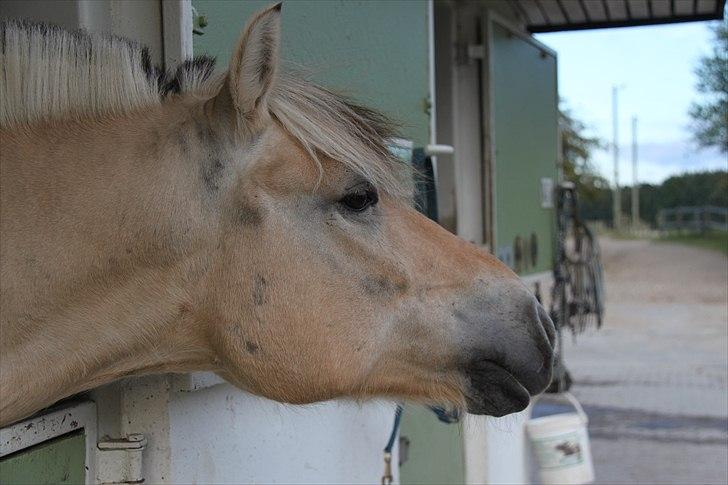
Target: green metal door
59	460
525	131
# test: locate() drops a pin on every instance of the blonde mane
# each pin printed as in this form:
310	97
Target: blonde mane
49	73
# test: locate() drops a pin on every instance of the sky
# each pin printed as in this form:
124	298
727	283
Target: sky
655	68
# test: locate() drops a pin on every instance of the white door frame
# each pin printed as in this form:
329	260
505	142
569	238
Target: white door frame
57	422
177	29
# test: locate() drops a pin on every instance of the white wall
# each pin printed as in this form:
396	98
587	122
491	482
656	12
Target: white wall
460	196
496	449
220	434
224	435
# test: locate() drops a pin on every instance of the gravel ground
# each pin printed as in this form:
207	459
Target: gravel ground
654	379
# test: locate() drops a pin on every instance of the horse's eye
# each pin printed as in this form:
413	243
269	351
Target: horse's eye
361	199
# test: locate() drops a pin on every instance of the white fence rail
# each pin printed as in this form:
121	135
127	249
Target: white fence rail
693	219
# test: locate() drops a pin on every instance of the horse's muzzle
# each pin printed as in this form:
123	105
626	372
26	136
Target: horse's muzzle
514	363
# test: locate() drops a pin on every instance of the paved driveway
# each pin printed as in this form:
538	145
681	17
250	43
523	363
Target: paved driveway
654	380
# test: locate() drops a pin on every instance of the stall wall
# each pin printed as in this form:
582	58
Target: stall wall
223	435
199	429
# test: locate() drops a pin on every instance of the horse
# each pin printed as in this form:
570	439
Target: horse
250	223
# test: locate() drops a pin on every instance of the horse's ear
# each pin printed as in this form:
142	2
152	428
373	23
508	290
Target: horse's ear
254	65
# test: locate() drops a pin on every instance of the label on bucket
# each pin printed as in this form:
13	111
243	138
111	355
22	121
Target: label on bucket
559	451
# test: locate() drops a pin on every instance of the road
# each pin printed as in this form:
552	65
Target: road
654	379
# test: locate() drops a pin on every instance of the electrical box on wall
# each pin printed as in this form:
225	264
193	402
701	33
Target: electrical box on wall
547	193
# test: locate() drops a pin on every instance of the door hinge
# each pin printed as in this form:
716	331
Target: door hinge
120	460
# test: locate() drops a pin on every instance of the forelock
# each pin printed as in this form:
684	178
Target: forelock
333	126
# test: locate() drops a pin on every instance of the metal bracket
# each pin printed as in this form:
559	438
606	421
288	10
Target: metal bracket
120	460
199	22
434	150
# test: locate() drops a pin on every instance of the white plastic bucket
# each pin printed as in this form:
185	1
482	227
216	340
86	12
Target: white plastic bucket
561	445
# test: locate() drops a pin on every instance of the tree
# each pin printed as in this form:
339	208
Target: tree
576	151
687	189
710	113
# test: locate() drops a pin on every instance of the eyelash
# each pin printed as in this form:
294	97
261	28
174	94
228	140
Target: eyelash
360	200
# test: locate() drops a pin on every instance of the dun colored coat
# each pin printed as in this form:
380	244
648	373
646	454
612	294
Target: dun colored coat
252	224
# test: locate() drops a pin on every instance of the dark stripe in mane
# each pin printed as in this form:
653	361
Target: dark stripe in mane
201	68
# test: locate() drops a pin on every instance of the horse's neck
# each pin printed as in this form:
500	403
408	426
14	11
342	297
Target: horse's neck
137	328
95	275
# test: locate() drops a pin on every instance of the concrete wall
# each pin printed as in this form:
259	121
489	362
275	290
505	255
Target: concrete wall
65	13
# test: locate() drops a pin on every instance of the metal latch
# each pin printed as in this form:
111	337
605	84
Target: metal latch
120	460
404	445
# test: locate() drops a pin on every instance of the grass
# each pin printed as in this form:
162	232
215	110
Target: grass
716	241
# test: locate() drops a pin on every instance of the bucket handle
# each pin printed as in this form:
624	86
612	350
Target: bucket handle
575	403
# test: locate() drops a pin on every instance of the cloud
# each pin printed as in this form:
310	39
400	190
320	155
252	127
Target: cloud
656	65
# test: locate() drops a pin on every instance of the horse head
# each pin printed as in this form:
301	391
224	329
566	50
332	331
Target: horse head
327	282
252	224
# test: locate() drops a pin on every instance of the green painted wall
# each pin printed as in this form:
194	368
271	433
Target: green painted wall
61	460
374	50
525	96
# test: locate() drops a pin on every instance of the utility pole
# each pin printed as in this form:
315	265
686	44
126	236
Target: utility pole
635	185
616	201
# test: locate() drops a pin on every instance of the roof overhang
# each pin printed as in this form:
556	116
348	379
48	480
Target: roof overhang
559	15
